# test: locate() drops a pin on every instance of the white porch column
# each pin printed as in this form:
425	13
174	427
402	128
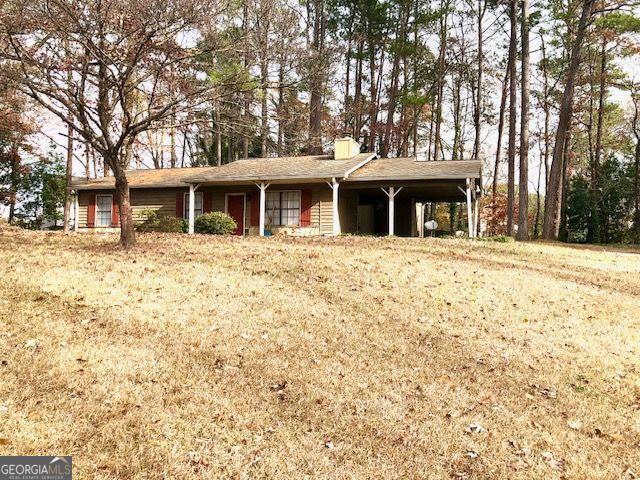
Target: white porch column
263	205
476	216
392	195
470	221
192	208
334	185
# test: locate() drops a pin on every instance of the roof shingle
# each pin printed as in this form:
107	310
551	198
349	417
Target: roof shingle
411	169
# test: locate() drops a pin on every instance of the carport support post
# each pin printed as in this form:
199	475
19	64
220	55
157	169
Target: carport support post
392	208
470	221
392	195
192	208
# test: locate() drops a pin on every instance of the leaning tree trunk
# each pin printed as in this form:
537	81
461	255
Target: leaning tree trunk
523	188
127	232
552	198
511	151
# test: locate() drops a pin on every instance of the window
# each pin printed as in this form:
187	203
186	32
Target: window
283	209
198	209
104	203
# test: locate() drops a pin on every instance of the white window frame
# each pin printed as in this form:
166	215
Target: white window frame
97	216
185	205
267	215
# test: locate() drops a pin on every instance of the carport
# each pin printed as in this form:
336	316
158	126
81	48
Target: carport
388	195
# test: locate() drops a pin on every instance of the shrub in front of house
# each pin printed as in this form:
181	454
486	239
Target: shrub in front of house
155	223
215	223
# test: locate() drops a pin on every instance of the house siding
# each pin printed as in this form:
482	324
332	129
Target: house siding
163	202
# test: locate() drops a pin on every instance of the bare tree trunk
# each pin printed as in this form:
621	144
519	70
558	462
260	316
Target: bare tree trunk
357	97
87	161
68	178
478	107
636	179
457	107
315	82
496	168
593	235
264	108
14	182
523	189
244	115
127	232
69	166
546	108
373	111
172	138
218	136
563	233
440	83
395	80
536	225
552	198
511	153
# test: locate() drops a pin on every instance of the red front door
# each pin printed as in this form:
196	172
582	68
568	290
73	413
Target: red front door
235	209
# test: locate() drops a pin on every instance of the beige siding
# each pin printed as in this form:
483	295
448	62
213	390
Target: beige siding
160	200
83	207
324	200
163	201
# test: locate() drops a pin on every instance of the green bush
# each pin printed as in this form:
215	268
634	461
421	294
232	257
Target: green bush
155	223
215	223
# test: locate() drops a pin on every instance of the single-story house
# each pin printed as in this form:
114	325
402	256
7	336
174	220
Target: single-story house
347	192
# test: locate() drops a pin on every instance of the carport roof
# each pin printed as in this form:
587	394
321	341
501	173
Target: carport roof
384	169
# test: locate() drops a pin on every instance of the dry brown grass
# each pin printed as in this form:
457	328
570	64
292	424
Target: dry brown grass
320	358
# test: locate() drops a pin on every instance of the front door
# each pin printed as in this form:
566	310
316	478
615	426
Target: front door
235	209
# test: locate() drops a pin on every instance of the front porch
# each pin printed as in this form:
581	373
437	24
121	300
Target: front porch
336	207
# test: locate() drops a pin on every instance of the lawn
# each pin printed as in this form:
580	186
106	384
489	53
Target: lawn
330	358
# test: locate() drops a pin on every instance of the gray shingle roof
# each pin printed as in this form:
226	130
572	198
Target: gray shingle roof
290	169
281	168
142	178
411	169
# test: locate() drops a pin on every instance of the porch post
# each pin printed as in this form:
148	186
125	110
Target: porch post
470	221
476	216
334	185
263	205
192	208
76	208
